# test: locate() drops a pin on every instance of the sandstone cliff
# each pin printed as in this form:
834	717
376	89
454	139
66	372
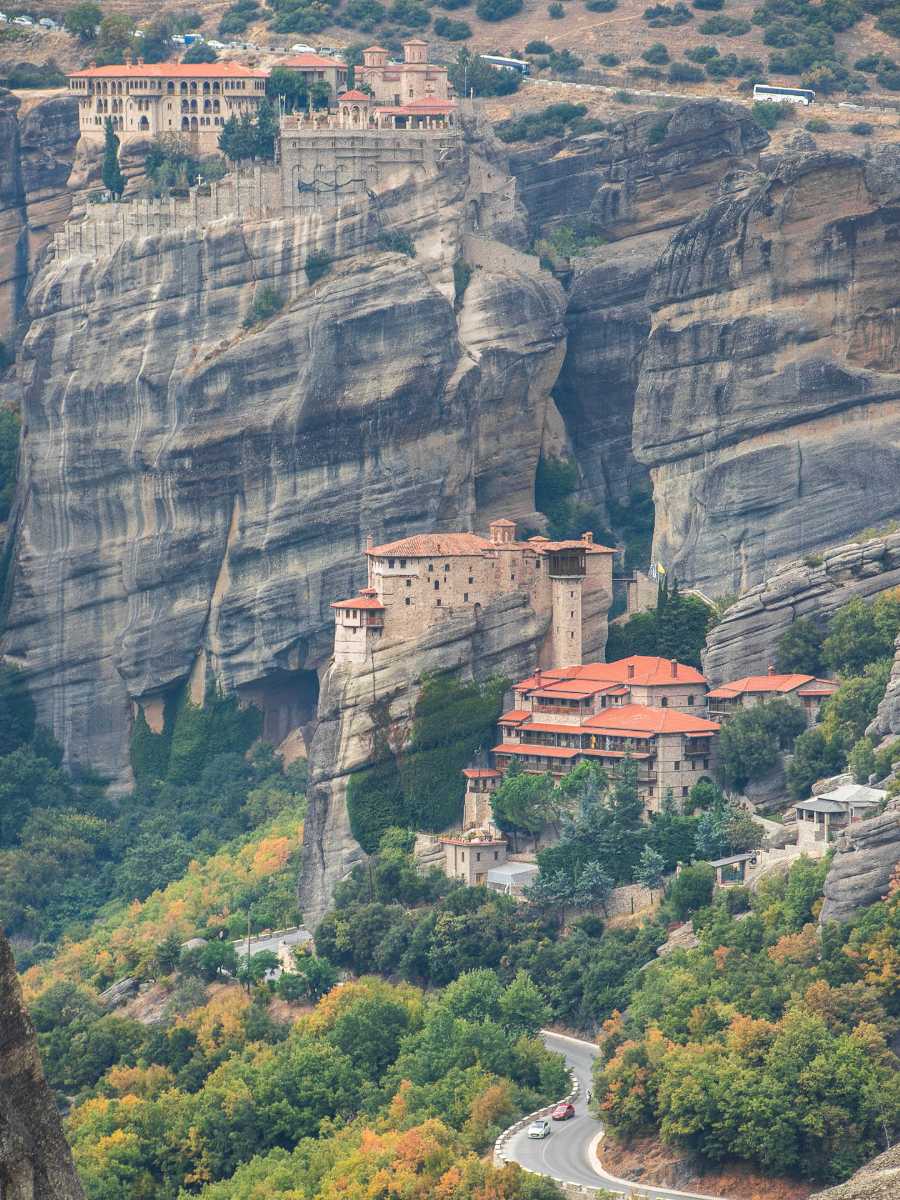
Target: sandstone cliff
766	406
195	492
877	1180
37	150
865	860
35	1163
745	640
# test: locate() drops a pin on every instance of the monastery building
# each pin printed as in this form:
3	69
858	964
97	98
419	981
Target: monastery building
148	99
419	582
409	93
806	690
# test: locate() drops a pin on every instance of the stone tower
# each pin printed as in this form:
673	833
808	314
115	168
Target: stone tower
415	51
567	571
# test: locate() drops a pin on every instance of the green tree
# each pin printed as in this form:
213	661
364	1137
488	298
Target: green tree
199	52
524	802
817	755
750	741
471	73
650	870
799	648
83	21
111	173
253	970
17	714
692	890
316	975
522	1008
861	632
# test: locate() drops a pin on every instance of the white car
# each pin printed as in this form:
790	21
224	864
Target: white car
47	23
302	48
216	45
22	21
539	1128
3	17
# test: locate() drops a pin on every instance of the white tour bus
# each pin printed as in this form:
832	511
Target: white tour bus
782	95
506	64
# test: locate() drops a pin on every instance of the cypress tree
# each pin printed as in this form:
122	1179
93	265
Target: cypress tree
112	176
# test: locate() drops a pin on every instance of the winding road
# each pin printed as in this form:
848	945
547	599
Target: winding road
566	1155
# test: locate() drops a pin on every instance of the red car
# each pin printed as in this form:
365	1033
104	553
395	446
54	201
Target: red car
563	1111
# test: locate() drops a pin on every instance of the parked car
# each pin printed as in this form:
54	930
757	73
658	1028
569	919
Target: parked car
22	21
216	45
563	1111
302	48
539	1128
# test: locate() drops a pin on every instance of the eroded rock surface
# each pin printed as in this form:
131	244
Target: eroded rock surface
196	491
877	1180
35	1162
744	642
866	857
766	407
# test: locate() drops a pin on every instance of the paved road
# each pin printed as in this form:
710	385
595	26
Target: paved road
295	937
565	1154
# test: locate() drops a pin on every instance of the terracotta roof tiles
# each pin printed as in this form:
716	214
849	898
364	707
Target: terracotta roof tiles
170	70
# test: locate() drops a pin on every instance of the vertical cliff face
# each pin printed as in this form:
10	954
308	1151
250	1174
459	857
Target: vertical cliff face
196	486
635	185
35	1162
37	150
767	402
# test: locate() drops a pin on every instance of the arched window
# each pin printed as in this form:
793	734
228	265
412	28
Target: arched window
206	89
185	107
216	88
207	106
185	123
170	87
184	89
144	124
193	106
216	106
193	88
193	124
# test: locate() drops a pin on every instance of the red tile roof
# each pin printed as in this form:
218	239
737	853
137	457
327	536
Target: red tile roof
432	545
171	70
359	602
638	720
380	49
354	95
756	684
481	773
514	717
418	107
612	677
547	751
310	60
590	547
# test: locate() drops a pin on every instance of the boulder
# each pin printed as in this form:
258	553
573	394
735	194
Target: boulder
866	858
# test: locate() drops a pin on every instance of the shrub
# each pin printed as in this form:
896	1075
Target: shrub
410	14
661	15
709	5
862	128
608	60
657	133
701	54
729	26
692	890
656	54
538	47
681	72
453	31
35	75
890	78
266	303
199	52
602	6
318	264
555	11
889	22
397	242
873	63
654	73
767	114
818	125
565	62
497	10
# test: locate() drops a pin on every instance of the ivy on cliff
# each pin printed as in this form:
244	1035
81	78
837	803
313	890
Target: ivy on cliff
422	787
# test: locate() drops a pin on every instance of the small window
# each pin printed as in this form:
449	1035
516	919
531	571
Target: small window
465	597
438	602
571	595
706	764
431	566
685	790
402	563
513	575
496	856
409	583
571	614
408	601
664	703
691	699
478	856
446	566
471	579
677	766
571	635
437	585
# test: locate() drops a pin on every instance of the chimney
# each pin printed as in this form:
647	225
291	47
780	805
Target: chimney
140	61
537	676
631	670
674	669
370	541
771	669
588	537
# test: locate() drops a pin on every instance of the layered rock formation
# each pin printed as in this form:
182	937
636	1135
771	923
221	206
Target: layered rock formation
767	404
635	185
866	857
37	151
887	719
745	640
196	491
35	1163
